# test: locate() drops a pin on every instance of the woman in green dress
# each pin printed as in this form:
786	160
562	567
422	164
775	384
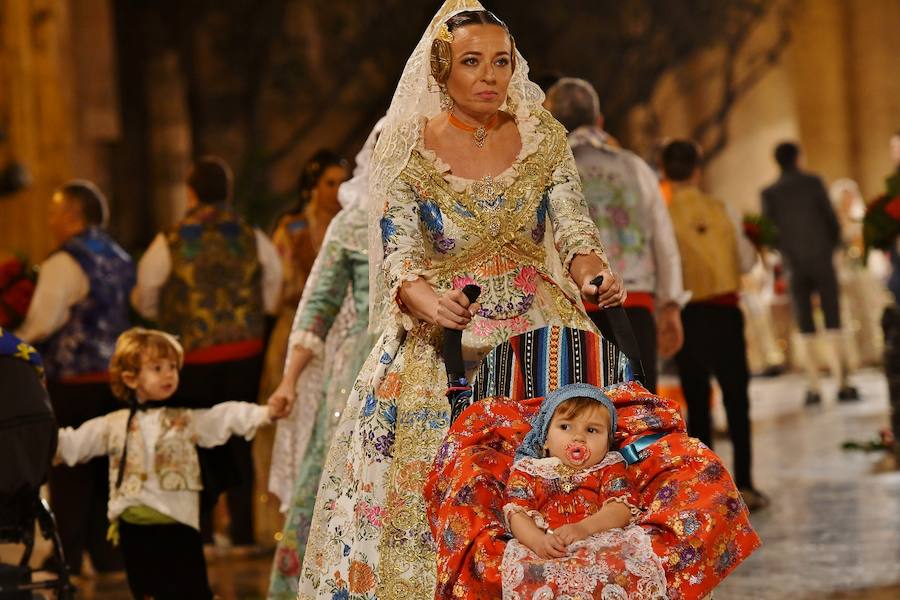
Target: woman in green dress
329	342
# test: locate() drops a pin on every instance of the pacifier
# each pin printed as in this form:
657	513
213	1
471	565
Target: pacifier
578	453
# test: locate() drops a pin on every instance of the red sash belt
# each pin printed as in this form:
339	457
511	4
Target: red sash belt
634	300
224	352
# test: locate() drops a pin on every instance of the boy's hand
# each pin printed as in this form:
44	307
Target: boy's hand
549	545
569	534
281	402
279	407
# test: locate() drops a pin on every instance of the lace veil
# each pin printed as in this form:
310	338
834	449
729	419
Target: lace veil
354	192
416	97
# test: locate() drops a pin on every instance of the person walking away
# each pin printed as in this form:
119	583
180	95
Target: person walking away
298	236
714	254
210	280
625	203
808	236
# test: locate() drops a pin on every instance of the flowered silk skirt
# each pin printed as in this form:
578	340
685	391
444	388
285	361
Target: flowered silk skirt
695	518
369	521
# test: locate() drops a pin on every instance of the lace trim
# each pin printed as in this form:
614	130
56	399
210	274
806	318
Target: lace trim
401	316
510	508
531	137
636	511
599	251
308	340
547	468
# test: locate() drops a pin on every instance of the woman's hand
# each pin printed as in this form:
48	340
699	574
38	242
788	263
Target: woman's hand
610	293
281	402
453	310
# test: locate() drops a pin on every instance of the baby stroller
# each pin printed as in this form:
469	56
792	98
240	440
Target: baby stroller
694	514
28	437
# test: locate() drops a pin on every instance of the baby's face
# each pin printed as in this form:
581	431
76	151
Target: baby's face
579	441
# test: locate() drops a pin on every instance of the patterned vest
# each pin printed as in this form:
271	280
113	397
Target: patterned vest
86	342
214	293
175	453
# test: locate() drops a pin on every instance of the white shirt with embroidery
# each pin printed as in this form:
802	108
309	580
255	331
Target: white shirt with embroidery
212	427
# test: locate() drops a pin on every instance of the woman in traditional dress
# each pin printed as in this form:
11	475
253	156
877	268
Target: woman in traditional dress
298	236
328	344
472	182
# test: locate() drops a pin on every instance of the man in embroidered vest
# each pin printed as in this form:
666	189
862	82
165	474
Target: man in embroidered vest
808	235
714	254
624	201
80	307
210	280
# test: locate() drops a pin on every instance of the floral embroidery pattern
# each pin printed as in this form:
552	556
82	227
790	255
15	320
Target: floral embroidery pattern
331	321
694	522
370	508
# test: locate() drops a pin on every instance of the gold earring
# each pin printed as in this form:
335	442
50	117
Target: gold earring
511	104
446	100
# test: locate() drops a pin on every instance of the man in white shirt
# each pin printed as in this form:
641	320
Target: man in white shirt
210	280
625	202
80	307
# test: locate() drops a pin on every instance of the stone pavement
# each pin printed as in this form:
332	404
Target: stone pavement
833	529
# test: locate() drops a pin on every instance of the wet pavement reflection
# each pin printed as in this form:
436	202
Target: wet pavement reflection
833	529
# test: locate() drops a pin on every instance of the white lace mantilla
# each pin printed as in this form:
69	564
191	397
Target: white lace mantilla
417	96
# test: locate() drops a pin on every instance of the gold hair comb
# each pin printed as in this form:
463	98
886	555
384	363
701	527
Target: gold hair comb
443	33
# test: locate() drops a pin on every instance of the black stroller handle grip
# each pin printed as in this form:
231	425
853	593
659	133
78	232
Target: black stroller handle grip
452	353
618	329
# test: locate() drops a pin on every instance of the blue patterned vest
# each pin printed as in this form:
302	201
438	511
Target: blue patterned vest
86	342
214	293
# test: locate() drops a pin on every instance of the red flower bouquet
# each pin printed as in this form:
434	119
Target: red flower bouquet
760	230
881	223
17	282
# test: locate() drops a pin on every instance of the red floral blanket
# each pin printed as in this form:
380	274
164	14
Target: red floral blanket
694	514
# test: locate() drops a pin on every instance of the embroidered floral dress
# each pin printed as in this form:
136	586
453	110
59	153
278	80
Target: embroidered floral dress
331	321
513	235
618	563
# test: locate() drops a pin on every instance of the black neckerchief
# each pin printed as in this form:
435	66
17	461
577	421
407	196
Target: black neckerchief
133	407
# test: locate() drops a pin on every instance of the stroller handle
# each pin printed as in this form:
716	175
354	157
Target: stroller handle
459	392
615	325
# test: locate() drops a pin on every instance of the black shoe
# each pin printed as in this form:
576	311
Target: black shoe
812	398
772	371
848	393
754	499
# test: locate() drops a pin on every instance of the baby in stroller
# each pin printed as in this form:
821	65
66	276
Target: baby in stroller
571	507
693	524
154	471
